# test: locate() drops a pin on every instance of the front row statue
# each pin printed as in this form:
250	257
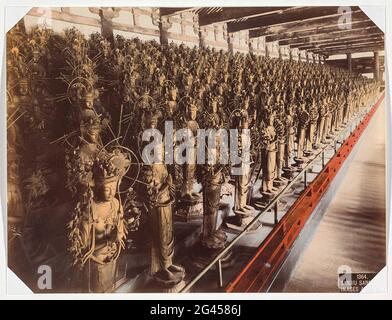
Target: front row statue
157	193
97	230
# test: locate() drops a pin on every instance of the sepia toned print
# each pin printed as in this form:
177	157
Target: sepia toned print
274	97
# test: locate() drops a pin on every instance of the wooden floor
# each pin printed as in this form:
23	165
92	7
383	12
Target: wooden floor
352	231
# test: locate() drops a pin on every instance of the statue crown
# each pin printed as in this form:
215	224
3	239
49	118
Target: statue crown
111	168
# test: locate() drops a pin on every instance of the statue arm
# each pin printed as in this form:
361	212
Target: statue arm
85	233
121	230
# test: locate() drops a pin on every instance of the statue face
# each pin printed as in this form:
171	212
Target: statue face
220	90
189	80
23	89
246	104
173	94
152	122
91	134
214	106
170	107
35	55
271	119
127	97
89	102
108	190
193	113
161	80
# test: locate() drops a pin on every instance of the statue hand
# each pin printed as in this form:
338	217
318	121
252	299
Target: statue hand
122	243
120	239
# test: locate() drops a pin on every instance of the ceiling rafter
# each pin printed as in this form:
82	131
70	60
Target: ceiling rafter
306	25
333	35
234	13
289	15
318	31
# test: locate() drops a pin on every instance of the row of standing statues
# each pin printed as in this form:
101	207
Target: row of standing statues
77	109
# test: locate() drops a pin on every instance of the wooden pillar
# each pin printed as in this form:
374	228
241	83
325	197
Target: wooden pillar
349	63
183	25
250	46
230	40
107	15
164	26
135	17
202	37
290	54
376	71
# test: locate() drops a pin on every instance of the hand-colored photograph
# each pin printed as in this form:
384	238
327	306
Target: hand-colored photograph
196	149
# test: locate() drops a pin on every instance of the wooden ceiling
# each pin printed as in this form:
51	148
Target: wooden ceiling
322	30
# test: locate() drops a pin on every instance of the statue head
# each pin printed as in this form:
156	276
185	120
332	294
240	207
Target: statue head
89	100
161	79
170	106
271	117
91	129
192	111
107	173
220	90
23	87
105	48
151	119
214	105
245	101
106	190
225	77
189	79
173	93
36	54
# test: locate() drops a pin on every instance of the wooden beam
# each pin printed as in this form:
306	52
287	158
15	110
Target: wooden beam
334	40
233	13
370	43
352	49
167	11
366	48
286	29
288	15
333	35
336	43
318	31
349	48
